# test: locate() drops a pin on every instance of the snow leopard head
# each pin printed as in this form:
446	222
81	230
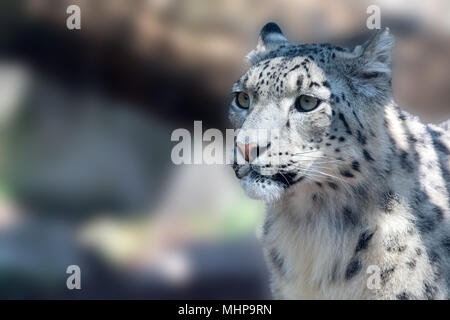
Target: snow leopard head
308	114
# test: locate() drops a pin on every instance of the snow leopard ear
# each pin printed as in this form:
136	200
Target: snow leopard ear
270	38
371	68
376	53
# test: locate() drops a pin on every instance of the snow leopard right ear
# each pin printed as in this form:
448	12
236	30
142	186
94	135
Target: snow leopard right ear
270	38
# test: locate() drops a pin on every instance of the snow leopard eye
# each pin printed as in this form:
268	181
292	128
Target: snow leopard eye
242	100
306	103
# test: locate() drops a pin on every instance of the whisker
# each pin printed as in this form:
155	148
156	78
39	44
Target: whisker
317	157
329	161
331	176
307	154
320	166
318	163
314	169
285	178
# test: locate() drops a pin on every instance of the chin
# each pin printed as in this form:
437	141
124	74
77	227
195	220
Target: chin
262	189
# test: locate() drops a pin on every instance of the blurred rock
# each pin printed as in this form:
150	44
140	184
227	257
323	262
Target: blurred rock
77	153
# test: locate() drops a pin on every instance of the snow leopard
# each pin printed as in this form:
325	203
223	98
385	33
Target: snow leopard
357	190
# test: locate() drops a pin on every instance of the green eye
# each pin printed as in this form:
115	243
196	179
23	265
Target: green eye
306	103
242	100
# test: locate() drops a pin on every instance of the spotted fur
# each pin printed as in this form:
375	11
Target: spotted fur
354	183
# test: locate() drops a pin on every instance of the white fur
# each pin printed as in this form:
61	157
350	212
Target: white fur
366	184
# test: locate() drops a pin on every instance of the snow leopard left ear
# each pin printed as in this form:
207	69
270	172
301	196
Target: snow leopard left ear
370	72
376	53
270	38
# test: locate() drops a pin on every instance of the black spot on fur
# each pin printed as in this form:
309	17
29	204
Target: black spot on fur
433	256
294	68
411	264
446	244
438	213
356	166
350	218
405	162
367	155
389	201
437	142
352	269
344	121
364	239
356	117
370	75
299	81
361	138
412	139
298	180
430	291
393	245
347	174
333	185
402	296
424	222
386	274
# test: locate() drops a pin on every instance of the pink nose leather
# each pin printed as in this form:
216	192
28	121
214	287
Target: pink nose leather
249	151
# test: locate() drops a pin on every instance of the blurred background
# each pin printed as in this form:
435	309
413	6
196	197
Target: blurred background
85	123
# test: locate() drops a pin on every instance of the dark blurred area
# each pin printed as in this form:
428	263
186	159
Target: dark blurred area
86	118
